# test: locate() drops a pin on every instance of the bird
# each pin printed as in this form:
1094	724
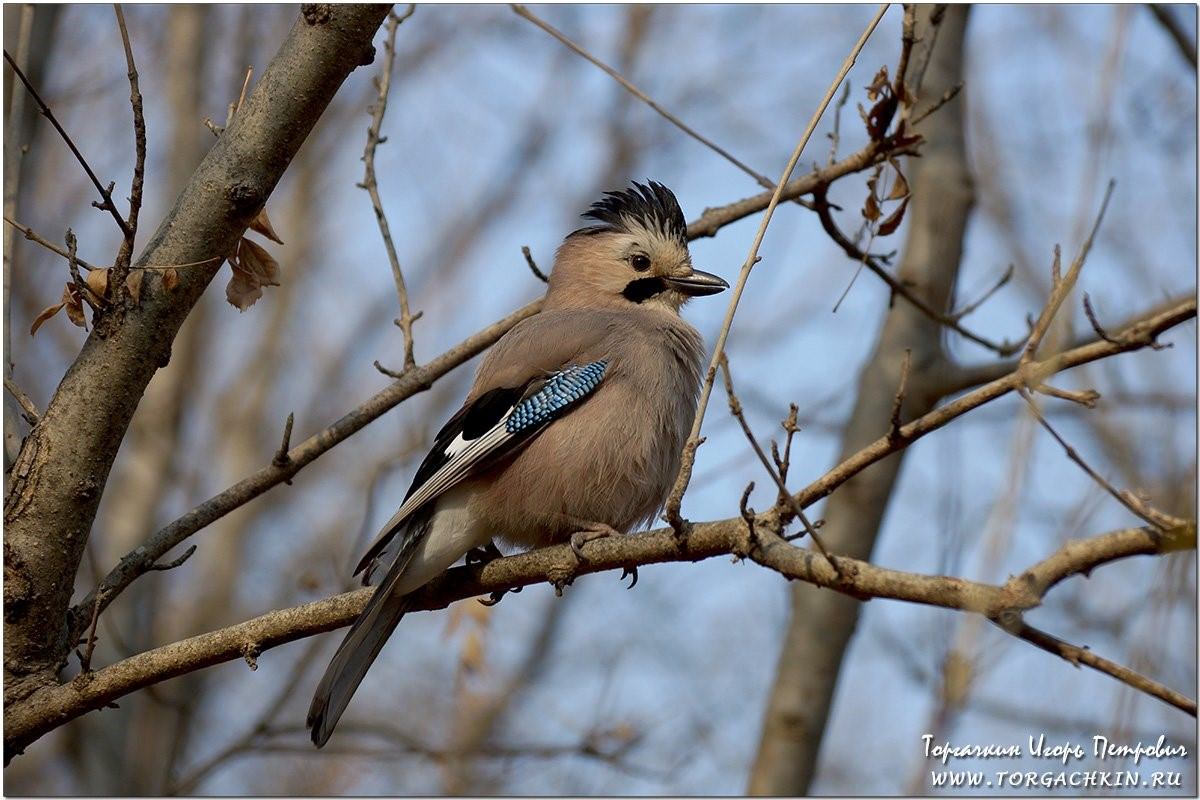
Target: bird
573	429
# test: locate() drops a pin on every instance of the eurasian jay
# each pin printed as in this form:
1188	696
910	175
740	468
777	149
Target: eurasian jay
573	429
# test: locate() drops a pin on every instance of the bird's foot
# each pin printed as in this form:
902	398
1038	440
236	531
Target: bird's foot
498	595
590	533
483	555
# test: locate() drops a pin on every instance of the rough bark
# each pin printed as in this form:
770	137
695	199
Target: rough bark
64	465
822	623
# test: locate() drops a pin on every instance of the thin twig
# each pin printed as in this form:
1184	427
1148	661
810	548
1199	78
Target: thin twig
73	263
242	94
1183	43
28	410
689	456
541	276
824	214
1062	284
898	400
946	97
374	139
33	236
1081	655
760	179
281	458
85	661
125	253
735	408
13	157
972	307
106	194
178	562
1090	313
835	136
908	38
1126	498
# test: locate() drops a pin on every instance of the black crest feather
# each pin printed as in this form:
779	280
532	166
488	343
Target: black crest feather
650	205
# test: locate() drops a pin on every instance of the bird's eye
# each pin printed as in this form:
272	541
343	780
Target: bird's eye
640	262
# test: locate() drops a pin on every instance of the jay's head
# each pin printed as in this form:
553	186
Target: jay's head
636	254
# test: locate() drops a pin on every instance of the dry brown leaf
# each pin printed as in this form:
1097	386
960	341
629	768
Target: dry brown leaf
170	278
253	268
133	285
73	302
879	85
871	208
259	263
900	187
242	291
46	314
262	224
889	225
97	282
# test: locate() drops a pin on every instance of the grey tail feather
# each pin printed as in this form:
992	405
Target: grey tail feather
355	655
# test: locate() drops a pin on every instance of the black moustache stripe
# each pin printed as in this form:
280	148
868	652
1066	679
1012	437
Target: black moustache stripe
643	289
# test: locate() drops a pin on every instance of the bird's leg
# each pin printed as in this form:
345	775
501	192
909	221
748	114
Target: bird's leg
483	555
590	532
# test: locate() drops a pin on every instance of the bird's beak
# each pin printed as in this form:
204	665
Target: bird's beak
698	284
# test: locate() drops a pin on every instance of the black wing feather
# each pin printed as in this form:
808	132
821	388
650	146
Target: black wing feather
471	421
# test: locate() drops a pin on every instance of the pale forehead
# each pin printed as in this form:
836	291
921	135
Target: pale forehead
651	238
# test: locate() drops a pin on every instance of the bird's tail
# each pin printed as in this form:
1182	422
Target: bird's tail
355	655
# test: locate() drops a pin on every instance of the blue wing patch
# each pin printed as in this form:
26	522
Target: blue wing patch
563	389
477	435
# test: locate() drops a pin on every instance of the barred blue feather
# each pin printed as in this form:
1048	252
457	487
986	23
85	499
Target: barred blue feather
565	388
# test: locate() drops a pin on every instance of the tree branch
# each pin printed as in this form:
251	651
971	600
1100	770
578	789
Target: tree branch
1183	43
66	460
105	193
125	254
369	182
53	707
675	499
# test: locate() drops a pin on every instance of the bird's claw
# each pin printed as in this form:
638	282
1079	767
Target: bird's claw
483	555
497	595
561	583
632	573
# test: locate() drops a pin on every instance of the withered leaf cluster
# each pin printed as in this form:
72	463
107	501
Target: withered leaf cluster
253	267
873	207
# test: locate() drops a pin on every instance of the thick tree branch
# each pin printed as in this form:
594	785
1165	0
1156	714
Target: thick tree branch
56	706
66	461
